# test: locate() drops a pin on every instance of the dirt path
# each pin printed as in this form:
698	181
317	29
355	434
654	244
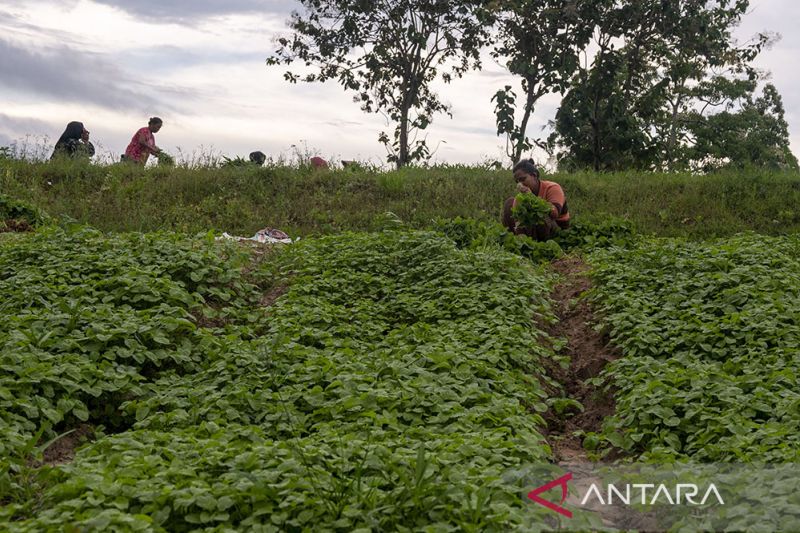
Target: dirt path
588	353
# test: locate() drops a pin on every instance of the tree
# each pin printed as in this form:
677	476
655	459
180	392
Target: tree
754	135
388	52
660	66
539	40
600	126
601	123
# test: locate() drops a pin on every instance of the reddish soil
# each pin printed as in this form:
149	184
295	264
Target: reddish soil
63	450
588	353
14	226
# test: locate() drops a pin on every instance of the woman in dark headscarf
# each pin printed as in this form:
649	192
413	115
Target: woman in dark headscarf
74	142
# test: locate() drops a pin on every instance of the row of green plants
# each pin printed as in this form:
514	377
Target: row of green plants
89	319
472	234
393	385
711	348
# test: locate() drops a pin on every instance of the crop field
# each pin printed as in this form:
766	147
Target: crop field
711	339
390	380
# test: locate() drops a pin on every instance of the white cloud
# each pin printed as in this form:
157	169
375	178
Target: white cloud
201	66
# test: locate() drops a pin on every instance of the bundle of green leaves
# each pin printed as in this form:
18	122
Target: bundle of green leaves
530	210
474	234
165	160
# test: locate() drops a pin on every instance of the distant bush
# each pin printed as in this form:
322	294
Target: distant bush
16	215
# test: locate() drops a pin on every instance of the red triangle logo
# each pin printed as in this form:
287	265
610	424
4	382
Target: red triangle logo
562	481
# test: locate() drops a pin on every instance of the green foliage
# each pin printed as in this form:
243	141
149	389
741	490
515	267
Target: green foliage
242	200
237	161
530	211
476	235
165	160
756	135
88	320
19	211
710	339
664	99
393	387
587	235
390	55
539	41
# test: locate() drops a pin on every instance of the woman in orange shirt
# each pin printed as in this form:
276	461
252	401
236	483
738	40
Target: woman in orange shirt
527	177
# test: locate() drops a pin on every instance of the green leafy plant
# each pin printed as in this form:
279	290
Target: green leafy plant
18	211
237	161
477	235
393	383
709	336
165	159
530	211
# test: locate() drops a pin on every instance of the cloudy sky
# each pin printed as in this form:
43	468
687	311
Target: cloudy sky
200	65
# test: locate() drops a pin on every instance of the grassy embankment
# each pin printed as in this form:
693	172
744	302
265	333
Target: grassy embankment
303	202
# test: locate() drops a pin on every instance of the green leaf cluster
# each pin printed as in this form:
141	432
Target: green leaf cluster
486	236
530	211
393	387
710	337
17	210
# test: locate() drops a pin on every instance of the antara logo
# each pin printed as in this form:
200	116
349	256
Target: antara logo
562	481
684	493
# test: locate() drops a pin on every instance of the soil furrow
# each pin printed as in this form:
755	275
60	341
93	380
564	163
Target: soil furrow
588	352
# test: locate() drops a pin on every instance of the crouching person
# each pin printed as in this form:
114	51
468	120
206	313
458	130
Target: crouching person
527	177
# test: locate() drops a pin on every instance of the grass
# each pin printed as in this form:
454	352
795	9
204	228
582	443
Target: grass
303	202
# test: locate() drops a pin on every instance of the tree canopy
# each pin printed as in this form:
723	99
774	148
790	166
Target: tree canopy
645	84
388	52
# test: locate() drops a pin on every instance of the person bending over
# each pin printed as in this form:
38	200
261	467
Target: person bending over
527	177
258	158
143	143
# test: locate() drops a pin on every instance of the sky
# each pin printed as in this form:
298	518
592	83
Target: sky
200	66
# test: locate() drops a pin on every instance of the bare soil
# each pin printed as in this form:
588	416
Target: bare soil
273	294
588	351
14	226
63	450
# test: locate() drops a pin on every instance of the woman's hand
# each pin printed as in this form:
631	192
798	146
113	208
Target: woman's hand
522	188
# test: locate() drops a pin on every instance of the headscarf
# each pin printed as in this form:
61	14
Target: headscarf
74	131
258	157
69	140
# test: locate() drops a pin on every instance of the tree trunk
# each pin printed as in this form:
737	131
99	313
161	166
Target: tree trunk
523	126
402	157
673	133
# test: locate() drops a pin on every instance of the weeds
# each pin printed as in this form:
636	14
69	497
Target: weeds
302	201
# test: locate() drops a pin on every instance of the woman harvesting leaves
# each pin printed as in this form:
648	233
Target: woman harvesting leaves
143	143
524	215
